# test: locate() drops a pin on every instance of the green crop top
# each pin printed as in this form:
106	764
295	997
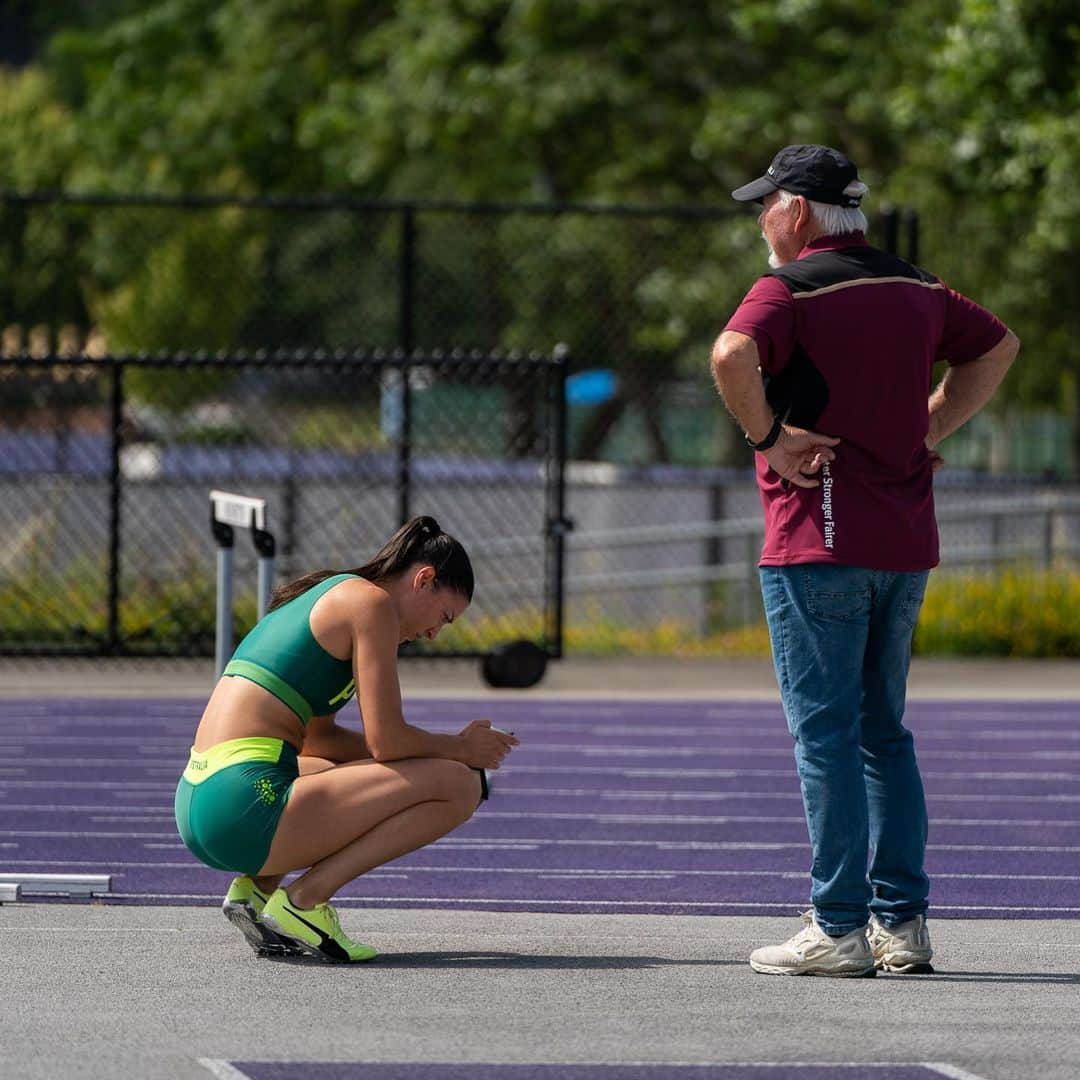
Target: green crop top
281	655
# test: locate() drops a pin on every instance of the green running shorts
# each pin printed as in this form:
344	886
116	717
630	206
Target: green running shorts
230	798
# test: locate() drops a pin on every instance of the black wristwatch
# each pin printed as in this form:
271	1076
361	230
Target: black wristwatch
770	439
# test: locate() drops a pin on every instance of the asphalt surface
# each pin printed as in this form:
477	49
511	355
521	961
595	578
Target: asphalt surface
108	992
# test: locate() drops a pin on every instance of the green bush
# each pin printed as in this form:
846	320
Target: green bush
1031	613
1019	613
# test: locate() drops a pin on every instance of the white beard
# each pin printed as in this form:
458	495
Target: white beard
774	259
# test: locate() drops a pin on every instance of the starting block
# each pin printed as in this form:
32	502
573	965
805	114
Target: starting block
14	887
229	512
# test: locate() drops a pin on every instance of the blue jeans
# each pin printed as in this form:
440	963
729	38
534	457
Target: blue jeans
841	643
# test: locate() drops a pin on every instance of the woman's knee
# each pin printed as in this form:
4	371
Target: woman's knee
462	785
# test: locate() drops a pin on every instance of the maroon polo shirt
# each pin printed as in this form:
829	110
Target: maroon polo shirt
847	336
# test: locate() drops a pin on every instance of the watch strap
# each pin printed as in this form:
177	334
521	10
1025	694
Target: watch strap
770	439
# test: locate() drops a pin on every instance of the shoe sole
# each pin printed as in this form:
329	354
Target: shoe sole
920	967
307	949
258	935
860	973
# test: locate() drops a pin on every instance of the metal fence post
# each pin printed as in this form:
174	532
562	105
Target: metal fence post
405	446
558	523
116	406
406	338
223	636
714	553
751	582
911	235
890	225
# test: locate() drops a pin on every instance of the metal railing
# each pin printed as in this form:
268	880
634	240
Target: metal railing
984	533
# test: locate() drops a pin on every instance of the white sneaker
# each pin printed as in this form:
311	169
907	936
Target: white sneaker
903	949
813	952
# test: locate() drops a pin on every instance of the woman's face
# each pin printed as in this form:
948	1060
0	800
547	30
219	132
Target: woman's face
428	607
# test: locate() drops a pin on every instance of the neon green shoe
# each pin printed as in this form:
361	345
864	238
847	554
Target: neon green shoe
243	907
315	930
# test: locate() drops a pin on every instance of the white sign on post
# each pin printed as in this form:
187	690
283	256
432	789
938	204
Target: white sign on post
236	510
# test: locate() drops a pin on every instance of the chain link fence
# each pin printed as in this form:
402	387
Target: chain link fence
667	517
106	467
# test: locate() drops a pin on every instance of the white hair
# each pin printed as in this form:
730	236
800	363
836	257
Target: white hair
835	220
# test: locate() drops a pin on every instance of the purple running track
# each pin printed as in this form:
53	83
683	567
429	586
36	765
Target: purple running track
637	807
345	1070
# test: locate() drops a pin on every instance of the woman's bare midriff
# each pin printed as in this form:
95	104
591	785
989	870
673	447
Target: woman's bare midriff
241	709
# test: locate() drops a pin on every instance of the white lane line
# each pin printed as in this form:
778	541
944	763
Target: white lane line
754	751
713	845
112	785
669	773
951	1071
87	835
223	1070
356	901
630	771
86	809
605	819
142	764
746	819
151	744
590	751
146	819
706	796
534	843
561	871
664	731
118	864
644	819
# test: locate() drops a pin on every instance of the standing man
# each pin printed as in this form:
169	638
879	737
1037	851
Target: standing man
827	365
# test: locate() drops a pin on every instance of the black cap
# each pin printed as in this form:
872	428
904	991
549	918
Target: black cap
818	172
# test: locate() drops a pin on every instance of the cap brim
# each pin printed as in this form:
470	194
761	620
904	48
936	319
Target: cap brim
756	189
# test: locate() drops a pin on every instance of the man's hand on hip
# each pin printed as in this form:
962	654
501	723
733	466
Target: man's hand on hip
798	455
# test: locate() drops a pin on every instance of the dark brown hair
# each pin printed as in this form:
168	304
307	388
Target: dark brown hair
417	541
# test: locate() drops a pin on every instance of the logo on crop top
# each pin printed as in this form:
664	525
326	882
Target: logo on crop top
198	764
827	507
265	791
345	694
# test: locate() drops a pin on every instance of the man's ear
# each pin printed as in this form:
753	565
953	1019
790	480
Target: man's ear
802	215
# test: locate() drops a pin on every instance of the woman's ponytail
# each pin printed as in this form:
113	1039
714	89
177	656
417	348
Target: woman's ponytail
420	540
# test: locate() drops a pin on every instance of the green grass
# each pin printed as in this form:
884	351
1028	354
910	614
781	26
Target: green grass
1019	613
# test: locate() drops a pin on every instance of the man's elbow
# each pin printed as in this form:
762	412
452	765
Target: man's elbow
733	350
1004	352
1013	345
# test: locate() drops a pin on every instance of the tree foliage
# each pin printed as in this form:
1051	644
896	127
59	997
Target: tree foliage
968	110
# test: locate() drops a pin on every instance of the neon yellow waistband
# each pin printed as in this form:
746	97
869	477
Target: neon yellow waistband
201	766
277	686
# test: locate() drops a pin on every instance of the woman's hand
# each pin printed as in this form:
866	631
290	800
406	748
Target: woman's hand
486	746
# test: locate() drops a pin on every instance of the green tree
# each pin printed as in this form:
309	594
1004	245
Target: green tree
966	109
994	155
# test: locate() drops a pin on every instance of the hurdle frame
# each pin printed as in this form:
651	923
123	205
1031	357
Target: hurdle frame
229	511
